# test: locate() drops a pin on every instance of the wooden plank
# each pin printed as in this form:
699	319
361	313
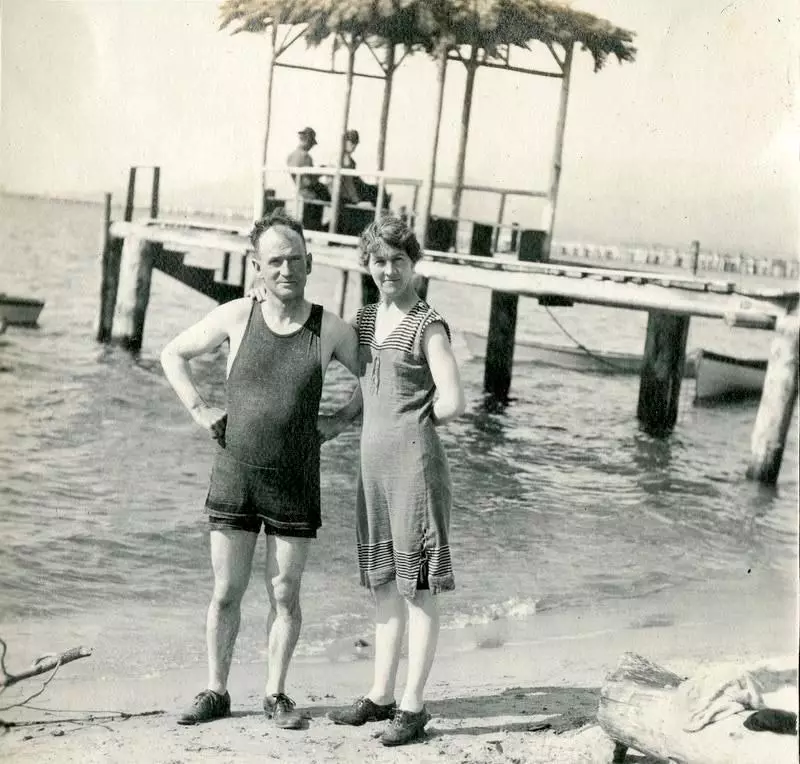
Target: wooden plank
577	271
579	284
628	295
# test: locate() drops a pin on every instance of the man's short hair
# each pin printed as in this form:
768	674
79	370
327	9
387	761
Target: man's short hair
278	216
388	229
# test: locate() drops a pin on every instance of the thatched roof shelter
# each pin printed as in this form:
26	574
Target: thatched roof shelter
489	29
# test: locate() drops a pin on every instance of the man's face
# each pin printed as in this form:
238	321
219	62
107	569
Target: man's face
306	141
350	146
282	263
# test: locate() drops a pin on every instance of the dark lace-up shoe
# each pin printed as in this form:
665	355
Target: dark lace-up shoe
362	711
206	707
280	708
405	727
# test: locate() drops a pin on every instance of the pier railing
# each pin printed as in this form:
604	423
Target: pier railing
384	180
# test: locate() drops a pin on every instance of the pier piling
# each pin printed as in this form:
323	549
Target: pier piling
133	295
777	402
662	372
110	256
503	326
500	345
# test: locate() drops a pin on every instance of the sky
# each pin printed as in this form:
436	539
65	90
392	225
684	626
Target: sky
697	139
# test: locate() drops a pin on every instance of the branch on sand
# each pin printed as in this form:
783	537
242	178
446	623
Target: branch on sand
41	665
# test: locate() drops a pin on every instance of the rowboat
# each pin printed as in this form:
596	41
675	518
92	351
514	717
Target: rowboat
718	377
19	311
565	357
725	378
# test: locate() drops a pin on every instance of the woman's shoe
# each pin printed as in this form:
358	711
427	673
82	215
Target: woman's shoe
406	727
362	711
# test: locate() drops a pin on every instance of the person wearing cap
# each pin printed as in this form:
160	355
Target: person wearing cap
309	186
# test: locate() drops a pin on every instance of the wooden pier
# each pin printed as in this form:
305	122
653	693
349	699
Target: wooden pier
133	249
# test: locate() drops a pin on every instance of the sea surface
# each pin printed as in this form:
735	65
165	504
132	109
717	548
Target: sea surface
561	504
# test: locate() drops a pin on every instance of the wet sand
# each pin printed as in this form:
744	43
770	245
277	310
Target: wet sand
516	702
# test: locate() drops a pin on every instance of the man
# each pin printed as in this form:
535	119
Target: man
309	186
266	466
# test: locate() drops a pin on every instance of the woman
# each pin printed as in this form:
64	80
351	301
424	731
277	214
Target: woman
410	385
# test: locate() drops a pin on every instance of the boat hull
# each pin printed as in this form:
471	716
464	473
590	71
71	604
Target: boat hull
19	311
725	378
571	358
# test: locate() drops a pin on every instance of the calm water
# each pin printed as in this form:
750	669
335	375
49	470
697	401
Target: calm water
560	501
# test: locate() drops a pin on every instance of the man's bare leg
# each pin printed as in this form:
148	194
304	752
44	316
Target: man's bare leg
231	559
286	561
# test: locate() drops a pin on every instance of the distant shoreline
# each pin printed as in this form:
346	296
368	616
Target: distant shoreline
631	253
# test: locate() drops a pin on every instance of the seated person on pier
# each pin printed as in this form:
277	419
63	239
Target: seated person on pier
309	186
355	190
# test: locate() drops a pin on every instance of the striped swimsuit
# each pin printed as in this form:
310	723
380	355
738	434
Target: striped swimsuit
404	497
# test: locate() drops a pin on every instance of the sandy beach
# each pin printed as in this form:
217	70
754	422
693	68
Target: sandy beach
517	702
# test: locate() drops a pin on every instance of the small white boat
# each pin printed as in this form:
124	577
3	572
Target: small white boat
19	311
561	356
723	377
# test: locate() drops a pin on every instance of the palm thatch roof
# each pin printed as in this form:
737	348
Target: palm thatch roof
431	24
390	21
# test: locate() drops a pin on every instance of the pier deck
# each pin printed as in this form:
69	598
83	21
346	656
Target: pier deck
132	249
619	288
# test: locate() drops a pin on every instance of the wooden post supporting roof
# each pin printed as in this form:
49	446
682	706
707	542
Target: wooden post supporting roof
558	148
430	177
383	127
466	112
261	165
336	196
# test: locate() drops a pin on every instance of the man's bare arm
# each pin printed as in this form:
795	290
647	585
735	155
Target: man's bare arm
345	351
204	336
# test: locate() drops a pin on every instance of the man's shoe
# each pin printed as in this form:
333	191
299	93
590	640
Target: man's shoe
406	727
362	711
206	707
280	708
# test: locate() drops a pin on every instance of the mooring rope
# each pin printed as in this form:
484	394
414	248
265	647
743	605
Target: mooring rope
581	346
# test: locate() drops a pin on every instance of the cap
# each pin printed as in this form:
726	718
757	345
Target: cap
310	133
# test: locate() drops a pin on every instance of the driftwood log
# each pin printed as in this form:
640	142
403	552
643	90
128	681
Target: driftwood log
638	710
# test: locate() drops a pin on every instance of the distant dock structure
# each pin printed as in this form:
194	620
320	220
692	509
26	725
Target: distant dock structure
373	40
133	249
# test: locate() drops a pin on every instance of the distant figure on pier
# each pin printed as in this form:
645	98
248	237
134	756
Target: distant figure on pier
267	454
410	386
354	189
309	187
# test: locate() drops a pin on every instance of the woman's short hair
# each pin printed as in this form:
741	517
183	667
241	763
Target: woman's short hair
278	216
388	230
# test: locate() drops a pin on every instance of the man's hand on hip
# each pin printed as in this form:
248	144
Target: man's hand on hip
212	419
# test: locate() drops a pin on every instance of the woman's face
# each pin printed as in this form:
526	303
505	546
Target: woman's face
392	270
350	146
